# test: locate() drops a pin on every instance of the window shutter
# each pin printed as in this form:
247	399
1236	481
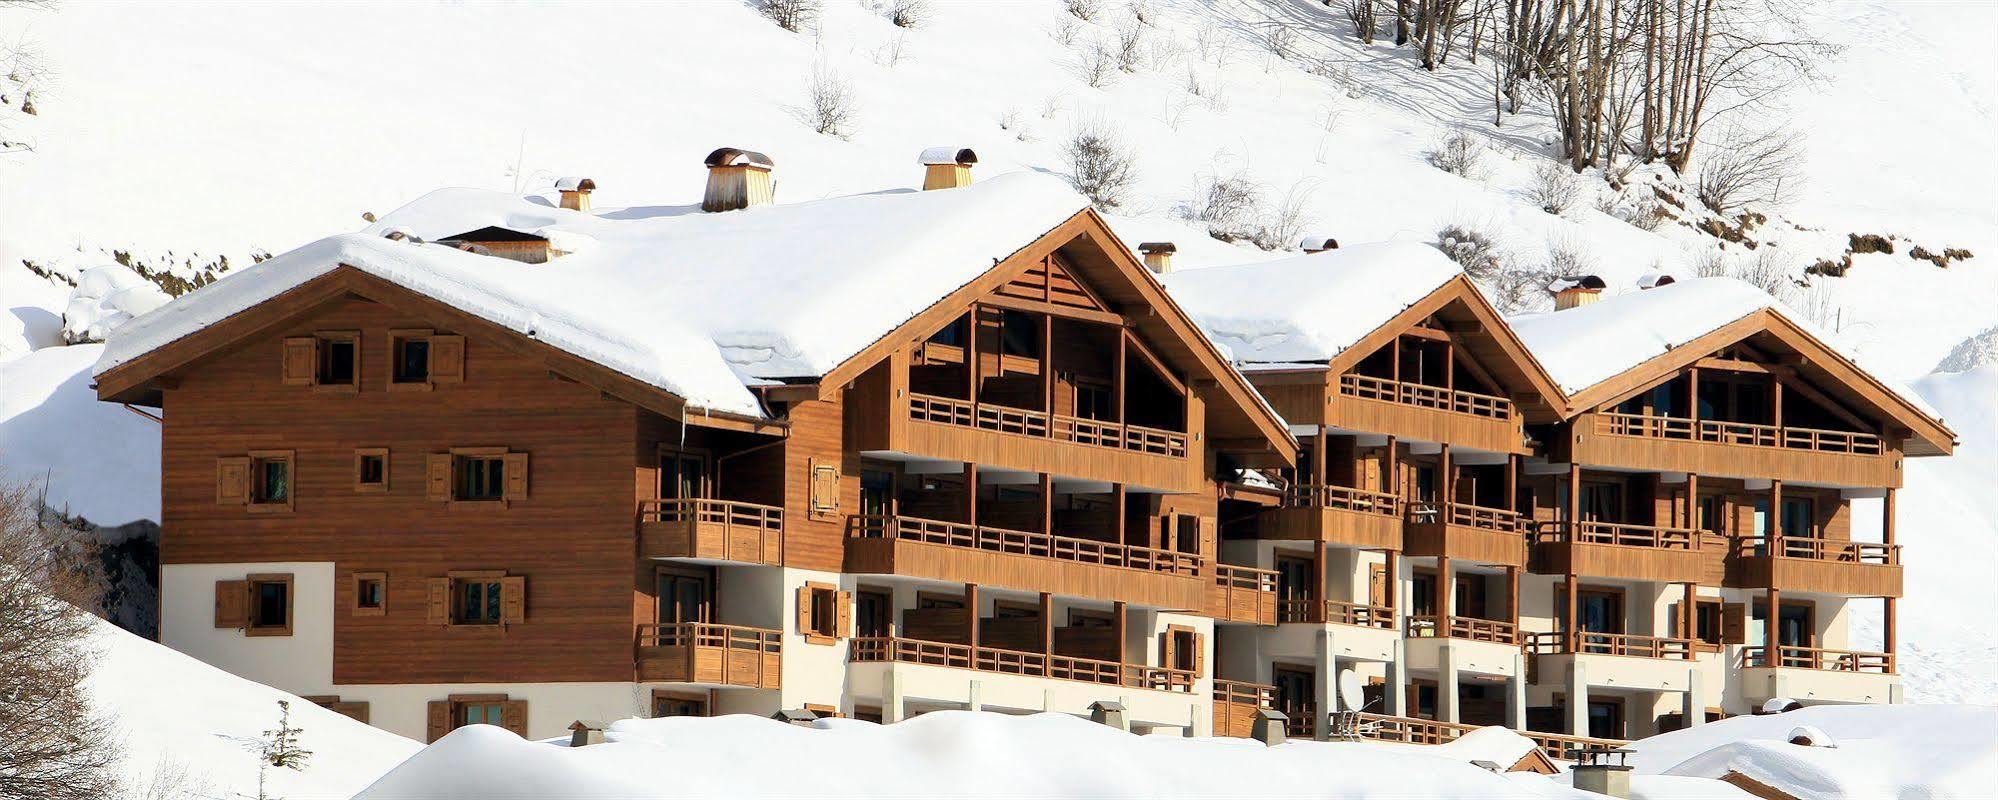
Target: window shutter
516	476
804	610
232	604
824	489
1199	655
232	480
440	601
301	360
1168	649
513	599
1734	624
437	719
438	477
843	614
447	359
513	717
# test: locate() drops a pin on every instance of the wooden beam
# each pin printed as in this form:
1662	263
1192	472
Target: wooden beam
1117	492
1117	614
971	612
1117	385
971	366
1047	504
1052	310
1512	593
1734	365
1393	579
1047	623
1835	407
1047	364
970	494
1157	366
1774	600
1446	595
1319	462
1688	609
1424	332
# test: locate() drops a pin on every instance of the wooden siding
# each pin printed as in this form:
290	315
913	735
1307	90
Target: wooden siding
1242	594
1032	454
1619	561
1026	573
570	537
1336	526
1466	542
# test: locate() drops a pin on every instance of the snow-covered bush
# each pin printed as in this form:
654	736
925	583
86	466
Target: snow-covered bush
1278	228
1226	204
104	298
1064	30
1980	350
832	109
1472	249
1141	10
1280	40
1100	165
1555	188
1084	10
1568	257
796	16
1459	153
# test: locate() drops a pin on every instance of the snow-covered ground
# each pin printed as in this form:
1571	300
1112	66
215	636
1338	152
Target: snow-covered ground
96	460
171	714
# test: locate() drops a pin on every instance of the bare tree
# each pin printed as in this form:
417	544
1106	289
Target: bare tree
1361	14
1753	168
1130	47
796	16
52	745
1100	166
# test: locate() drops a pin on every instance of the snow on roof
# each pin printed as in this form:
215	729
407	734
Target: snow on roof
1311	307
575	184
697	304
1566	282
1883	751
947	155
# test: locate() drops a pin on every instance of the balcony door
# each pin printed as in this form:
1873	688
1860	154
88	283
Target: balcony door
1599	611
1602	502
1295	691
877	493
685	595
1796	626
1800	518
683	475
1294	576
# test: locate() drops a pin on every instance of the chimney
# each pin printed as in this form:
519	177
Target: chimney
1158	256
1653	280
1598	774
796	716
1270	726
737	179
1319	244
585	732
1575	290
576	193
1111	713
947	167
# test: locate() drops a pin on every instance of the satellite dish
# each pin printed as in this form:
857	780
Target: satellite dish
1351	692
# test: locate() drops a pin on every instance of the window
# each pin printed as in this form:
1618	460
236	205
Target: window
411	360
951	335
1090	618
927	601
669	704
460	710
1019	334
420	359
371	469
823	612
1004	609
1092	401
483	712
270	605
873	611
477	601
479	478
270	480
1800	517
1602	502
370	593
339	361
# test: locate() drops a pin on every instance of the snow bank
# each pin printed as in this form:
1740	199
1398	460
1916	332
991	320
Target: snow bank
106	297
1308	308
942	754
1909	751
170	709
98	460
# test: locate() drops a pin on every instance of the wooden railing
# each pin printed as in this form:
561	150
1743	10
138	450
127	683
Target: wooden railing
763	525
1015	662
1024	422
1815	549
1259	695
1466	515
1610	644
1820	658
1472	628
1026	543
761	641
1739	433
1428	731
1342	498
1230	576
1367	387
1335	612
1617	534
1562	747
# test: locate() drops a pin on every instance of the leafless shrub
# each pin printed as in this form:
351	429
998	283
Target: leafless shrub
1100	166
170	780
1330	121
1649	215
52	745
1711	264
909	13
1751	169
1130	48
1226	204
1771	270
1009	119
796	16
1206	40
1818	304
1052	105
1472	249
891	53
1141	10
1279	228
1085	10
1095	65
1280	40
1554	188
1517	289
832	108
1459	153
1065	30
1568	257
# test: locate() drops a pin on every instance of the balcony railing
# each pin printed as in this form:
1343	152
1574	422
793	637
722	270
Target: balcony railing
1027	543
1236	703
1815	549
1249	579
1342	498
1610	644
1014	662
1616	534
1335	612
1367	387
701	652
1023	422
1739	433
1466	515
745	531
1471	628
707	634
1428	731
1820	659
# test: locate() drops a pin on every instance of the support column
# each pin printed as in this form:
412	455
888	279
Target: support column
1573	513
1319	460
1774	526
1446	595
1446	479
971	698
1774	600
1578	699
1327	689
1393	599
1446	682
1512	482
1515	694
1393	476
971	366
1047	504
1695	713
1776	401
1117	381
1047	623
1688	611
1692	516
1890	637
971	613
1394	696
1512	595
971	494
1047	366
891	696
1119	626
1319	593
1119	511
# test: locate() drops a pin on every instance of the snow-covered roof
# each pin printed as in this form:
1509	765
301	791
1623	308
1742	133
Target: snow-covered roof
947	155
1311	307
694	303
1883	751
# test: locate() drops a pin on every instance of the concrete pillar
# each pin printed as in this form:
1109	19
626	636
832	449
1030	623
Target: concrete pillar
1395	697
1328	687
891	697
1515	694
1446	682
971	698
1894	693
1696	713
1578	699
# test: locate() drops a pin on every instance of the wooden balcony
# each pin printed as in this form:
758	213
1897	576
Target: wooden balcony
960	553
1715	447
1236	704
1335	612
1035	441
717	530
1860	569
1460	530
1411	730
890	649
1817	658
704	653
1243	594
1467	628
1430	413
1610	644
1338	515
1633	552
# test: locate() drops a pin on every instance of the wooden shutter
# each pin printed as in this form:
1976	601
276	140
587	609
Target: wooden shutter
301	360
1168	649
232	480
437	719
513	717
824	489
1199	654
439	590
805	611
516	476
437	477
843	614
447	359
1734	624
232	604
513	600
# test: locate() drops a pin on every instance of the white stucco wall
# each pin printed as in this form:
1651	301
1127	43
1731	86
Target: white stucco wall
301	663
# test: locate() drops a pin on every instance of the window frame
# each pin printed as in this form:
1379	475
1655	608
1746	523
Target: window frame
819	622
254	499
361	456
361	579
321	352
253	584
399	337
495	580
459	457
